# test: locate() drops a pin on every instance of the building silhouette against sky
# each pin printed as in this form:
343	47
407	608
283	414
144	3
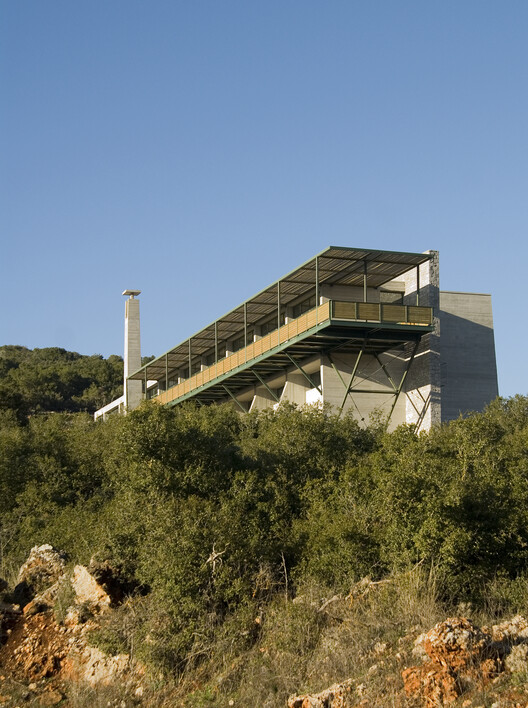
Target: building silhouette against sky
366	332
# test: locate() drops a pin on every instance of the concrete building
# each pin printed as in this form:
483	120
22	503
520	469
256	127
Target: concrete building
366	331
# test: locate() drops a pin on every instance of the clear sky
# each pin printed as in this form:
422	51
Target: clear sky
199	150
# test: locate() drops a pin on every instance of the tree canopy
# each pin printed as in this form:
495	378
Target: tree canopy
53	379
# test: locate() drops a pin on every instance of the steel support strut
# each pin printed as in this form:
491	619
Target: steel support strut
235	399
384	368
354	371
404	376
268	389
303	372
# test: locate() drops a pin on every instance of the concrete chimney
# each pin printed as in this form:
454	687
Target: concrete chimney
132	389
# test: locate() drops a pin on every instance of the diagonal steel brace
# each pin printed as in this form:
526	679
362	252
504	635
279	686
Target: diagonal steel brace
303	372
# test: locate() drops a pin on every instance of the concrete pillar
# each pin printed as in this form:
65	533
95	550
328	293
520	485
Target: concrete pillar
132	389
262	399
295	388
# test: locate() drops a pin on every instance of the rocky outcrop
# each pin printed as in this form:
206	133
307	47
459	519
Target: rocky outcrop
337	696
462	656
98	668
36	648
44	567
88	591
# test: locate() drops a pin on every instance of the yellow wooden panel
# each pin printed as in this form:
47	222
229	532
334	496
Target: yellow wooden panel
368	311
420	315
345	310
393	313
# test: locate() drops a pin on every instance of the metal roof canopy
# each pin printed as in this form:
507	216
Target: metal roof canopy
336	265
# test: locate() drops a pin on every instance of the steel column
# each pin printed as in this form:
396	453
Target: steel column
278	312
316	290
245	331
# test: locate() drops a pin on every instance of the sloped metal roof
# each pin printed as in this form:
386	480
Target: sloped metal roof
336	265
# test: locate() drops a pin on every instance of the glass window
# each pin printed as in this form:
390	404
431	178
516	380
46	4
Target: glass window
240	342
271	324
301	307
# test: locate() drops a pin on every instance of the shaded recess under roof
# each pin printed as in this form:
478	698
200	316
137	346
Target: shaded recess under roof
336	265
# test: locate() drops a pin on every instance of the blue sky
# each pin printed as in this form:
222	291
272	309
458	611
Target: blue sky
199	150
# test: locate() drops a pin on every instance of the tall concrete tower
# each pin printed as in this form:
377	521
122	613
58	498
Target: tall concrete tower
132	389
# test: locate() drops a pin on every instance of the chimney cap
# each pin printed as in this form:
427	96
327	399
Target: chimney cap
132	293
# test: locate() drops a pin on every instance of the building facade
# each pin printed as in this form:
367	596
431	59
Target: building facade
366	332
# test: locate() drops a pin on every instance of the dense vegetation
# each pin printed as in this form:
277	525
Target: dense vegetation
53	379
287	499
218	518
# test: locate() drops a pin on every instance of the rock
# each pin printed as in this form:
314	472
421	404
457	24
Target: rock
511	631
42	602
44	567
456	643
431	681
98	668
461	654
337	696
418	650
111	579
100	585
88	591
51	698
517	660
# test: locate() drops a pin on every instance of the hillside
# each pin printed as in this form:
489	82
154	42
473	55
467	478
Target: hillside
53	379
246	543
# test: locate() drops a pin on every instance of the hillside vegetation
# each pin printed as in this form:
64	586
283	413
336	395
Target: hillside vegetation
218	519
53	379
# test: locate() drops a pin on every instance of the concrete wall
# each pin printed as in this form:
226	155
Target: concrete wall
468	369
370	376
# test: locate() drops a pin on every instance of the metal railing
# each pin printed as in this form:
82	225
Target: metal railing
333	309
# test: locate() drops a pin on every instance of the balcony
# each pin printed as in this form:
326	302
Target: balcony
334	313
